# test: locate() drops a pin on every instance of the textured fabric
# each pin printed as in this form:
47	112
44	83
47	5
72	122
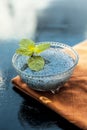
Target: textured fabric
71	100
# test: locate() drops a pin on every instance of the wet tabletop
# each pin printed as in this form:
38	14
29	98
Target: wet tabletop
17	110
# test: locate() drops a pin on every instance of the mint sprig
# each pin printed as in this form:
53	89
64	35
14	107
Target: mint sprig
26	47
36	63
29	48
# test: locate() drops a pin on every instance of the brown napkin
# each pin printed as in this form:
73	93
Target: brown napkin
71	100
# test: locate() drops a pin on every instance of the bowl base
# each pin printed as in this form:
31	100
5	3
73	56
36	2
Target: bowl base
56	90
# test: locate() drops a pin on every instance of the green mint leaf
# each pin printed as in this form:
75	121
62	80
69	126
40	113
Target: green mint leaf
25	43
36	63
24	52
42	47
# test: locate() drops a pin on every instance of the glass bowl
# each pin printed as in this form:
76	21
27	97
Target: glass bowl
60	61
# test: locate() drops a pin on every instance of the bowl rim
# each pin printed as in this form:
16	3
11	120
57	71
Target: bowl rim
55	44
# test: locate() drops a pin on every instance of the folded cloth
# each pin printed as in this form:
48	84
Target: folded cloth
71	100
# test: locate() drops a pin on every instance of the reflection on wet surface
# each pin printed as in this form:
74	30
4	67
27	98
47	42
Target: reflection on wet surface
34	114
2	81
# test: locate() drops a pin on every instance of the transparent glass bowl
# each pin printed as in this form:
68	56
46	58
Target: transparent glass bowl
49	81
